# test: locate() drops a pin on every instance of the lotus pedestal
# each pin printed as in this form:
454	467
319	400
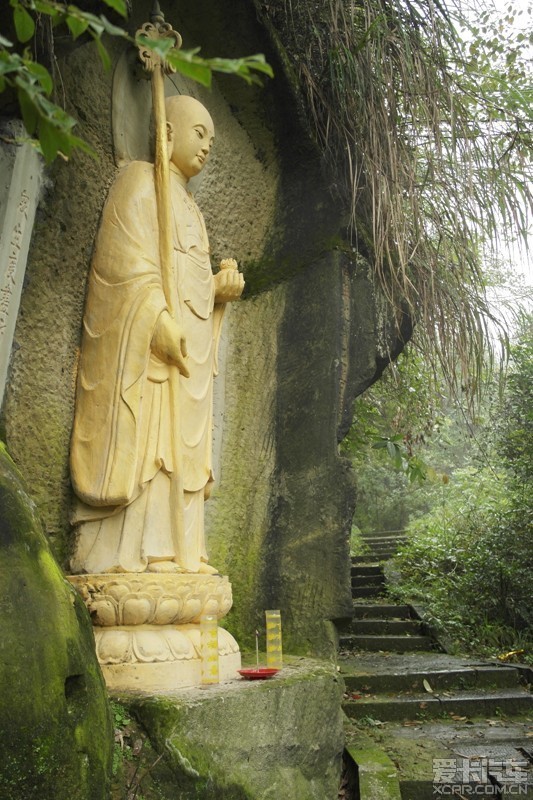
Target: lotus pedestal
147	627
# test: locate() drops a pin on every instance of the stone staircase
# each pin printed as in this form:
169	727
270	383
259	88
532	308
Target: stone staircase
422	723
376	624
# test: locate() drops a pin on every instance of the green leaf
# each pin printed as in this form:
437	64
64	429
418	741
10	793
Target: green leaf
42	7
259	63
191	69
112	30
75	141
9	62
242	67
50	139
161	47
77	26
42	75
24	24
5	42
28	109
117	5
102	52
97	25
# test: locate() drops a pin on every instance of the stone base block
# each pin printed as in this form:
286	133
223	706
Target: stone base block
160	658
278	739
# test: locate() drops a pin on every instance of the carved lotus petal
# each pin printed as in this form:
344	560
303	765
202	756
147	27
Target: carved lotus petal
151	646
225	603
194	636
180	645
211	606
155	589
118	590
104	612
192	610
226	643
137	610
167	611
113	647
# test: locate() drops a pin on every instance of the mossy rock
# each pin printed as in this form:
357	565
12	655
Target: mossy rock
56	735
251	741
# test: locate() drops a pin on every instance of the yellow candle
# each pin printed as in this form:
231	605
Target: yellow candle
273	639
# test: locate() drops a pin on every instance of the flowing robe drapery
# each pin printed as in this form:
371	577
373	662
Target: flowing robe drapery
123	449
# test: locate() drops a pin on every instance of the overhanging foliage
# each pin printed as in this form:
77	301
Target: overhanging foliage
432	140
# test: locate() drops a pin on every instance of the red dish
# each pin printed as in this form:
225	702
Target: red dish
257	673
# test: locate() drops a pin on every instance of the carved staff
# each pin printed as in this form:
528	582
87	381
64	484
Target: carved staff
158	67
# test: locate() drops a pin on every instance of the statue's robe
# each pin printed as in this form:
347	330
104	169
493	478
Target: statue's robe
126	445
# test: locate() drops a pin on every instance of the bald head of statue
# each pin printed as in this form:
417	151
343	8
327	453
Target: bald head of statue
191	134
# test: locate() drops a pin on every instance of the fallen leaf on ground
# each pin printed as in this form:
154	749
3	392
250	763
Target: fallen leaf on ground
427	686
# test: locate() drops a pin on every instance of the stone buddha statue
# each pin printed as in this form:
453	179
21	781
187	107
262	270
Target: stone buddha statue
141	442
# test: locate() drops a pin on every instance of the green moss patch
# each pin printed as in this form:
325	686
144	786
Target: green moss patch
55	737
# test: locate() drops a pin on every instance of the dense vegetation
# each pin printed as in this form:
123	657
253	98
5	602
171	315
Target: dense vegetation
468	513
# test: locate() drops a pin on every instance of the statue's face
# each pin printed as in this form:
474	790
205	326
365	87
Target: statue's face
193	137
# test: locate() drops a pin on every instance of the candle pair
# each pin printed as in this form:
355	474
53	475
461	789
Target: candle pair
209	645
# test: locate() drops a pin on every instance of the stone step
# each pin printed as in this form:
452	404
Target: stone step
372	558
366	569
385	627
380	554
367	591
476	757
482	677
367	580
384	541
384	535
380	611
506	702
377	778
378	551
396	644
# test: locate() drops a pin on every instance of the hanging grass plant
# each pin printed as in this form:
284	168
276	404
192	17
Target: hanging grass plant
430	141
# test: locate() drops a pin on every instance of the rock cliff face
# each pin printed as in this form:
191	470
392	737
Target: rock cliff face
56	735
308	336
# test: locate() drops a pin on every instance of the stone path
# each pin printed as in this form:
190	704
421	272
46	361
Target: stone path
421	723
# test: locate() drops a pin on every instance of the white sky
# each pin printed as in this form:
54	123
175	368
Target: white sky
521	261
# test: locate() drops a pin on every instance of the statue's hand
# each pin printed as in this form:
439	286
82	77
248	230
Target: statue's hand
168	343
229	282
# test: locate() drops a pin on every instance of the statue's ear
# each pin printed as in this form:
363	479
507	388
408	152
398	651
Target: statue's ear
170	131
